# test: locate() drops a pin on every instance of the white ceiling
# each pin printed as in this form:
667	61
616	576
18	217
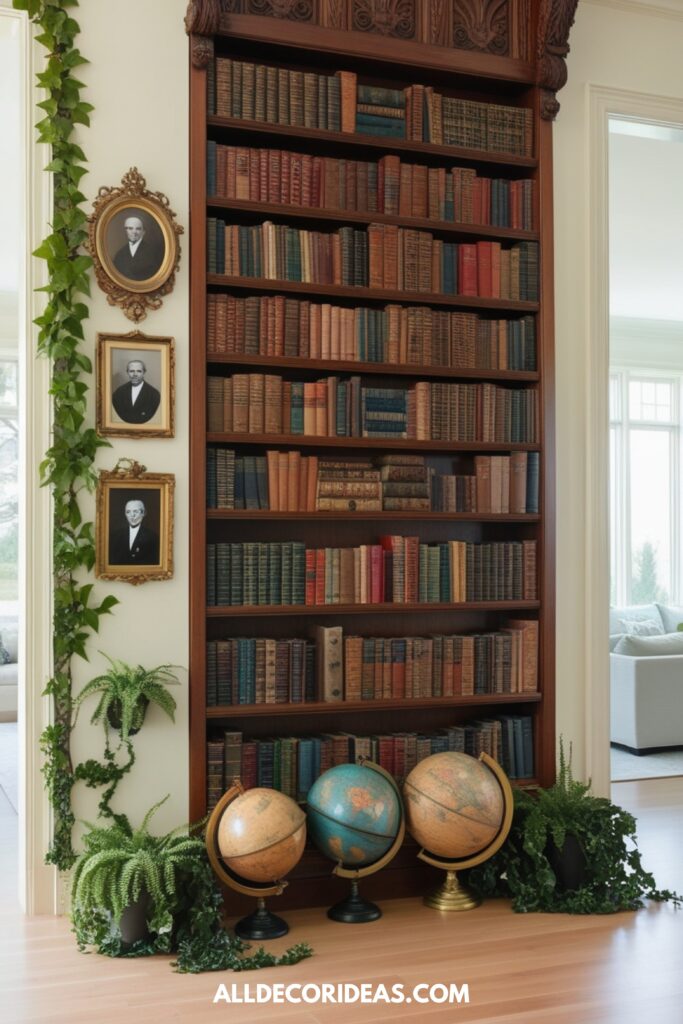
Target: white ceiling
646	221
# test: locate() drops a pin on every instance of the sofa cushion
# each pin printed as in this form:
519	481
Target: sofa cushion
633	613
671	615
649	646
9	638
614	640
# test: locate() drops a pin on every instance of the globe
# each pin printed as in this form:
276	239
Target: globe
354	814
261	835
454	805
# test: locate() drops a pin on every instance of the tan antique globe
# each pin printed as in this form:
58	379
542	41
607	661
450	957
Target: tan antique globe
261	835
454	805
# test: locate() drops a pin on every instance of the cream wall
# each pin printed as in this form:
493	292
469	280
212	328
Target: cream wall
137	81
617	44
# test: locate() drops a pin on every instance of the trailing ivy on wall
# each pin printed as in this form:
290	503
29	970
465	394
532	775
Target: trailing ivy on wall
68	467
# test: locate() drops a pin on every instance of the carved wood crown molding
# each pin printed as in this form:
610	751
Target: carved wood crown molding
556	18
202	21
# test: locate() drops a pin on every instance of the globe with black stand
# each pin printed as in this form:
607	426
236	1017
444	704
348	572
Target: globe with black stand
254	838
355	817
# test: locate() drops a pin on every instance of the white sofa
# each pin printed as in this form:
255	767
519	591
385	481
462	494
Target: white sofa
8	671
646	678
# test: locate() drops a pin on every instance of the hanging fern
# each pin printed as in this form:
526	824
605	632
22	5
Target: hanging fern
68	467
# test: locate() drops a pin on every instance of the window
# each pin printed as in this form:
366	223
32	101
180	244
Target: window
645	486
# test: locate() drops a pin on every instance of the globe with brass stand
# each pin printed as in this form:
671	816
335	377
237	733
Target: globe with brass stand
459	809
355	817
254	838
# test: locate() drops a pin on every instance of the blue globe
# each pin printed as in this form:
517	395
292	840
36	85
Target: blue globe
354	814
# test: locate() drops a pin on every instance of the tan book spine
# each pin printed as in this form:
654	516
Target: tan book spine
293	470
311	483
518	472
329	651
282	480
348	90
353	666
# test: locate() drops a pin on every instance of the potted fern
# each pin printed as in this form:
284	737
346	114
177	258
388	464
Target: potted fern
167	883
125	693
569	851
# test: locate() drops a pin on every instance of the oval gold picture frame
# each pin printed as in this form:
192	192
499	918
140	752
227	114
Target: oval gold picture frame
107	244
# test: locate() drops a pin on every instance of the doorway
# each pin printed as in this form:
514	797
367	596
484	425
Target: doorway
645	160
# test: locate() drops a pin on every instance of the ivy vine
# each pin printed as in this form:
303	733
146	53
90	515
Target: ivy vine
68	466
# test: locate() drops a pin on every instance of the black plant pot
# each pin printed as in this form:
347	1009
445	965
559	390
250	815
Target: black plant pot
114	715
133	923
569	864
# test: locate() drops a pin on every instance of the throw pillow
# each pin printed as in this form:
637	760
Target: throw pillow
671	615
631	612
641	627
650	646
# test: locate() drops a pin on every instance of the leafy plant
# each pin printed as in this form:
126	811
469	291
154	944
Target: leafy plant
615	877
68	466
126	691
120	864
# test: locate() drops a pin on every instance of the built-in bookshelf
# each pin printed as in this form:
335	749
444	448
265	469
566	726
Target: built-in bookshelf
372	538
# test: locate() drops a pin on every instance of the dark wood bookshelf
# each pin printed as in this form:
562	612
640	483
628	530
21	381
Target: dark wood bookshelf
310	213
392	608
454	154
462	517
394	62
351	706
372	443
262	284
357	367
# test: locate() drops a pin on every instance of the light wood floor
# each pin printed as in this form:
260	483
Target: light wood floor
535	969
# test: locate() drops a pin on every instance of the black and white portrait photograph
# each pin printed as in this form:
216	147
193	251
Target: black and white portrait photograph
133	240
135	244
134	526
135	385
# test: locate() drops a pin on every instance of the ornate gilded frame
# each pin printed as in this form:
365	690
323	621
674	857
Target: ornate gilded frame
134	296
131	478
139	345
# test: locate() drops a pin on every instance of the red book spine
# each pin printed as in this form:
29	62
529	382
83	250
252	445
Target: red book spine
467	268
319	575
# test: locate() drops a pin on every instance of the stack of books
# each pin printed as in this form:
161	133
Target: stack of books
405	483
381	111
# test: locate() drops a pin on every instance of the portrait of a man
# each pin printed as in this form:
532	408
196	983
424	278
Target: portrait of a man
133	537
136	401
135	385
135	244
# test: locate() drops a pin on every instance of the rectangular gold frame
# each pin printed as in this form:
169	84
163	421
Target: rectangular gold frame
135	340
134	479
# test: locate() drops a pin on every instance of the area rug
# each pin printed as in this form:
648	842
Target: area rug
8	763
625	766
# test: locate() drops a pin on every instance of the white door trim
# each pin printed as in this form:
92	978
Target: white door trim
601	102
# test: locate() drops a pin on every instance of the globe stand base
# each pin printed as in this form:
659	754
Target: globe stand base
261	924
354	909
451	896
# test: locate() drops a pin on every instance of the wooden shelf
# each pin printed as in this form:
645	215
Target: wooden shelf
451	517
453	154
442	227
247	611
252	284
349	706
352	366
373	443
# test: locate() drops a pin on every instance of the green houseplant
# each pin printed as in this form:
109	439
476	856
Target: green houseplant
126	691
567	816
171	877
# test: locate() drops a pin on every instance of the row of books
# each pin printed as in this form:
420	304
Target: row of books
338	103
389	185
292	482
396	570
334	667
277	325
291	764
258	403
382	257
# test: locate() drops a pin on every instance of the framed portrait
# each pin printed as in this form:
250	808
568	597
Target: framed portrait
135	385
133	241
134	527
